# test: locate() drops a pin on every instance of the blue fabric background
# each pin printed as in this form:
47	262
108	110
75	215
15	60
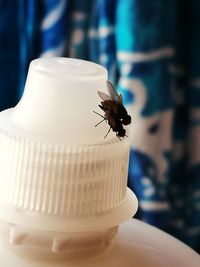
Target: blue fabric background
151	50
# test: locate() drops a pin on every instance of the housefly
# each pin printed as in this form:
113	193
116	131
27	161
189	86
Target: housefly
115	113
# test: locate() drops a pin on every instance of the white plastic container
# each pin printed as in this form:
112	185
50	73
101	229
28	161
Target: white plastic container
63	187
136	244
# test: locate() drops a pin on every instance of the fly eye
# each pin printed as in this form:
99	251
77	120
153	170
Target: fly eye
126	120
153	129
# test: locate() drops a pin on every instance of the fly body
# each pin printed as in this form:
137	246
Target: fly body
115	113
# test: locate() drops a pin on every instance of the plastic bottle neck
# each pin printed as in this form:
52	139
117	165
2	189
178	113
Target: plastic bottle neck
55	246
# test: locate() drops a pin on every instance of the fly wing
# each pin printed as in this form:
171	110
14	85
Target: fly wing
104	96
112	91
120	99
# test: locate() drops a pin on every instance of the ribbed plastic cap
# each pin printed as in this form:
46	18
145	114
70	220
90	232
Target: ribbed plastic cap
57	172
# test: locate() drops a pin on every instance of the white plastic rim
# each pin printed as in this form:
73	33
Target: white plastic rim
114	217
136	244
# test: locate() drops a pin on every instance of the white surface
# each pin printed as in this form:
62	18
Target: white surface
58	102
136	245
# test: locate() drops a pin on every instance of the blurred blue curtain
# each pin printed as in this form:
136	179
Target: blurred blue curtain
151	50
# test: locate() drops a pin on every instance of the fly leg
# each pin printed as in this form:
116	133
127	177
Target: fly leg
99	114
104	118
118	137
107	133
100	122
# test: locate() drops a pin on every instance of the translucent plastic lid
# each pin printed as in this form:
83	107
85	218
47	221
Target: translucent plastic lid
57	172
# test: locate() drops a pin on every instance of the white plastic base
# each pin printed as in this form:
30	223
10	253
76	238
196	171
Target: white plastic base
136	245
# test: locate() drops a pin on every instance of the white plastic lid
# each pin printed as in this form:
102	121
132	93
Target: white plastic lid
57	172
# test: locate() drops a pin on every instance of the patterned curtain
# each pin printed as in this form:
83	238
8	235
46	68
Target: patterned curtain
151	50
